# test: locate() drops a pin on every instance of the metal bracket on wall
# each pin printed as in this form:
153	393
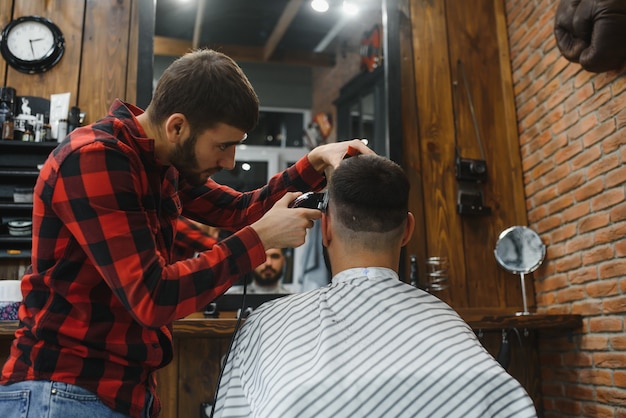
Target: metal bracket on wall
470	173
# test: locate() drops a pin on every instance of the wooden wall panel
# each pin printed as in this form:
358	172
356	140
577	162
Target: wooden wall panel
95	73
167	384
105	56
477	36
130	94
5	18
63	77
443	32
199	370
436	143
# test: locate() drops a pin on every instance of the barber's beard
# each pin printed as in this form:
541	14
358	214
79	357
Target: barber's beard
183	157
264	280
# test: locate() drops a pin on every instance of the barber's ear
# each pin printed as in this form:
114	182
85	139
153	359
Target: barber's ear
326	232
408	229
176	127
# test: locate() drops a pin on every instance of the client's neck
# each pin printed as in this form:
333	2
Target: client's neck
346	259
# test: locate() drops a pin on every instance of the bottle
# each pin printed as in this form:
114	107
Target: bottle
28	135
7	99
7	127
47	129
40	134
62	130
73	121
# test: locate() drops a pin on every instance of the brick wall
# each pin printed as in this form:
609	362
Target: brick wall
572	128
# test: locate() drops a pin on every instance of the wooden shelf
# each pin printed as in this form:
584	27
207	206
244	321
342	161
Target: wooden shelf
16	206
18	168
531	322
19	172
219	328
17	144
16	253
211	327
10	239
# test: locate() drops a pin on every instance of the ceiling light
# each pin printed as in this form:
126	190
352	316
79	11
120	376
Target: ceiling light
350	7
319	5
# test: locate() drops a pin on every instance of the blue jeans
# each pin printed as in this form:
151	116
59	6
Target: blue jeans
45	399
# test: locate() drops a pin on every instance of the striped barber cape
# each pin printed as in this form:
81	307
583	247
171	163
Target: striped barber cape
367	345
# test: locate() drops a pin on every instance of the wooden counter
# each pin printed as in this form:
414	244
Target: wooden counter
197	326
200	344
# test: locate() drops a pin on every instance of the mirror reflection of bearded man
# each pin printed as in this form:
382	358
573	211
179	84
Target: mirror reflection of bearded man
266	277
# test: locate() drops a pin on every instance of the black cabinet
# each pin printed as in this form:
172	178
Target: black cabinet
18	170
362	110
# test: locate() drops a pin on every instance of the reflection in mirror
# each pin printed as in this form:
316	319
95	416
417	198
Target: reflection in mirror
520	250
297	59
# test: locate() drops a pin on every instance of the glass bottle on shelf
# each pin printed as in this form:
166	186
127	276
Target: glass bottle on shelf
7	127
28	135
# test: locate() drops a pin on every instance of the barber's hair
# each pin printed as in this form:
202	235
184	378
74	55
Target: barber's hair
369	193
208	87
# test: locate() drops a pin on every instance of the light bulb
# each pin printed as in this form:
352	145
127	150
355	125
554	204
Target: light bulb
319	5
350	8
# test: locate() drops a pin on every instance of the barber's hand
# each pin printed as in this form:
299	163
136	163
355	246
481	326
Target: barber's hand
282	226
330	155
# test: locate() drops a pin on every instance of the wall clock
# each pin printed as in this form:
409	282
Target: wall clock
32	44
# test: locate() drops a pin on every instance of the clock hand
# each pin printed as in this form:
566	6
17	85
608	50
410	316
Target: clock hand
32	50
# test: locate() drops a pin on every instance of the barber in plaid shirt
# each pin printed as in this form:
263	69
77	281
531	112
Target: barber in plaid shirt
103	290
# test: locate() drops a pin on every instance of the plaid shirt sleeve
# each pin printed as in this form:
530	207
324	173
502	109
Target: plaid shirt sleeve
189	240
95	197
223	207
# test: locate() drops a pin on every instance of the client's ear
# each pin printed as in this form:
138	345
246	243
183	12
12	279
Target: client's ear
408	229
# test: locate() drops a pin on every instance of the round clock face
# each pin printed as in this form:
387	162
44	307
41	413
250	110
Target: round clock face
32	44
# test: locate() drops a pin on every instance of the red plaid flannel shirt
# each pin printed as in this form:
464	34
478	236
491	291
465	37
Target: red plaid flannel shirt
102	291
189	240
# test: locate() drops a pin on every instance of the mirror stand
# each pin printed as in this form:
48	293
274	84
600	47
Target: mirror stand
522	282
519	250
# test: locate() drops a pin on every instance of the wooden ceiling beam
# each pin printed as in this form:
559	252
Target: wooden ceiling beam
284	21
178	47
171	46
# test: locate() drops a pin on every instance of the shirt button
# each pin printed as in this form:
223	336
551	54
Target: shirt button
155	345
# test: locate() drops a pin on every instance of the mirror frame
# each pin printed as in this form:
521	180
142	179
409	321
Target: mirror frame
529	234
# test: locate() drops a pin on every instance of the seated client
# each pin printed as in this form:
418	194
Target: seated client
366	345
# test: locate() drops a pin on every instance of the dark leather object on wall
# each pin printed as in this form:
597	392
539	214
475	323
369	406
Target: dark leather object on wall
592	33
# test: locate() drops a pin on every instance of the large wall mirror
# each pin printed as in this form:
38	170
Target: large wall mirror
297	59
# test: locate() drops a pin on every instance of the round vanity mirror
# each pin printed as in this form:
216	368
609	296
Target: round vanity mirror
520	250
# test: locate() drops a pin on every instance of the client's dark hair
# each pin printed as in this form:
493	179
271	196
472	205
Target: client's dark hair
369	193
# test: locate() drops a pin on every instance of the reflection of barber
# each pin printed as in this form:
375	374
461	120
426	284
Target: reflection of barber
532	250
520	250
266	277
509	250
